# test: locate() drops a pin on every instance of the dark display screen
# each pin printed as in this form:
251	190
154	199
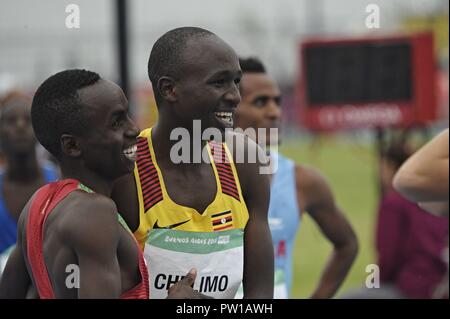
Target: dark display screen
358	73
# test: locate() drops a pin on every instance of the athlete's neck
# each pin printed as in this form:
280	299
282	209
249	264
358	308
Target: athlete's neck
90	179
191	143
22	168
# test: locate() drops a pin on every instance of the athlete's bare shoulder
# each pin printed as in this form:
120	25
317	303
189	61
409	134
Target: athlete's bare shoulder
83	218
239	143
310	180
244	150
250	159
23	217
313	190
87	227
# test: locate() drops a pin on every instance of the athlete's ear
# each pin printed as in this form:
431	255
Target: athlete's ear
166	88
70	145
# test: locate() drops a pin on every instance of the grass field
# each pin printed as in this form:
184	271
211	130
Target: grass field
351	171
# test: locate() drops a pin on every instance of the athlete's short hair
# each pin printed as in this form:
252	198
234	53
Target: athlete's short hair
166	56
56	108
252	65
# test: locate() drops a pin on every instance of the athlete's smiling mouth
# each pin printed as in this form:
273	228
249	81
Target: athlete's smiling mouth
130	152
225	116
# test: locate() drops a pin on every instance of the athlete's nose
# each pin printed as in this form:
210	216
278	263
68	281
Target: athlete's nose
233	96
273	110
132	129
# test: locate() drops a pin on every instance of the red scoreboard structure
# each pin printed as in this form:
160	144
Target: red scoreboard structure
367	82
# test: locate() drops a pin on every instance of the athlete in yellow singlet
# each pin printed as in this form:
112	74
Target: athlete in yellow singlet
209	215
158	210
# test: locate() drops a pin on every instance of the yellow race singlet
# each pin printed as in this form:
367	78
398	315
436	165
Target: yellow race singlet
176	238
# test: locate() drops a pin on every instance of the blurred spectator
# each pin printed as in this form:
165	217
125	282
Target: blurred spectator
21	174
411	244
409	241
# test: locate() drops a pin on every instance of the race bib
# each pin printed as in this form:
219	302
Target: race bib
217	256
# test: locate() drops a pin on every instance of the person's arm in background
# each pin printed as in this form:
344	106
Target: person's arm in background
316	198
424	177
436	208
15	281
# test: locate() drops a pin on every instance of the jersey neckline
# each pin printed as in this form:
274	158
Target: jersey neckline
170	201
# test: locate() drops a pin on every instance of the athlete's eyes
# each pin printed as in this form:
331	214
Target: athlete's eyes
264	100
116	124
117	121
219	82
260	102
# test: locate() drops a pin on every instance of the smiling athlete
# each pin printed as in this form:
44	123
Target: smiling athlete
82	120
211	215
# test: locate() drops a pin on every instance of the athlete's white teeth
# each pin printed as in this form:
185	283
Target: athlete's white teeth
130	152
227	117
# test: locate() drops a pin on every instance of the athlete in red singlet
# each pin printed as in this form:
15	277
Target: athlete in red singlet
70	240
44	204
